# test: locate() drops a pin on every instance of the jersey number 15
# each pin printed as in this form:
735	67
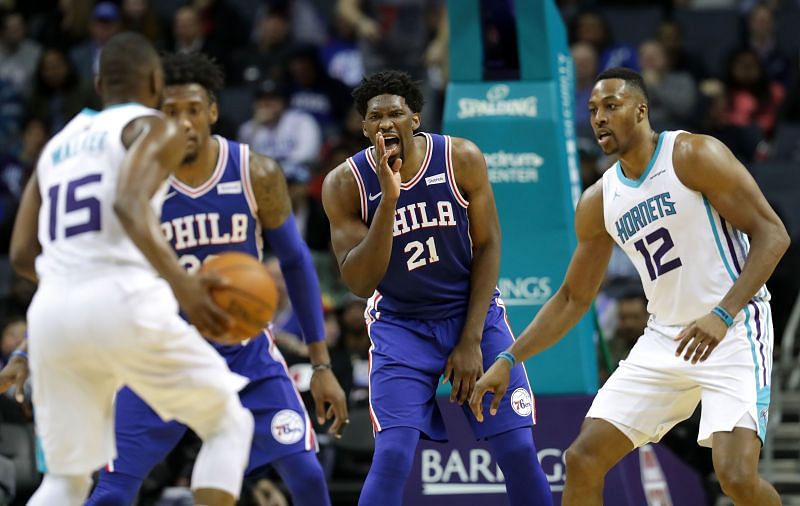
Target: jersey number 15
73	205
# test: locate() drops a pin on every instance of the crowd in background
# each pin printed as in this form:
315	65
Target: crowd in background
290	67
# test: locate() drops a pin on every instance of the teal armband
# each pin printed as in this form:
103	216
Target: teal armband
723	315
506	356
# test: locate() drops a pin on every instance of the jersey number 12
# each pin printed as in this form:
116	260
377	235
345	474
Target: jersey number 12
656	266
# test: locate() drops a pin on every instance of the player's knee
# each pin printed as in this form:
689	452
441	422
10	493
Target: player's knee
234	419
737	481
582	462
394	456
311	474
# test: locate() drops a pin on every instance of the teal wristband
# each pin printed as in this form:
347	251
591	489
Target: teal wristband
506	356
723	315
19	353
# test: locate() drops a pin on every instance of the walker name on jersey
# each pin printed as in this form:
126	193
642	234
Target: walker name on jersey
417	215
86	142
203	229
643	214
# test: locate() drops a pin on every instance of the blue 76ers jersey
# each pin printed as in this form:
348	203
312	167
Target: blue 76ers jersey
428	276
219	215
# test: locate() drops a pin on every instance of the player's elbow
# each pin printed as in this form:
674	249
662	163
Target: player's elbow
577	301
782	239
360	289
357	284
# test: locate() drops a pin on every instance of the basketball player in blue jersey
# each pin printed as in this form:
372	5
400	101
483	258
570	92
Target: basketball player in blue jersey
220	199
679	205
414	228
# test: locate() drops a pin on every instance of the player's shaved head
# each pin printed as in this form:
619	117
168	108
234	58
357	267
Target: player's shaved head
633	80
125	60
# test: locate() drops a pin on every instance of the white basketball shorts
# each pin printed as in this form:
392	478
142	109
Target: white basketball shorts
89	336
652	390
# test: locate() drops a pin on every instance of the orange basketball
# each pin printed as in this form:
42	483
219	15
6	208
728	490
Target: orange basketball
250	296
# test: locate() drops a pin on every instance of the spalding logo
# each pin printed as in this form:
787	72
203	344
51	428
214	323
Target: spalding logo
287	427
521	402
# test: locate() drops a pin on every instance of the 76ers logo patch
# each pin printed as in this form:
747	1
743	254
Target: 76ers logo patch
521	402
287	427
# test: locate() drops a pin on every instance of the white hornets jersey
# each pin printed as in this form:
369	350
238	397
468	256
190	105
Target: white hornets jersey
687	255
78	172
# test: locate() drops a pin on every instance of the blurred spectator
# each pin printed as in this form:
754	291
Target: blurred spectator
743	141
266	493
59	94
308	212
405	35
753	98
673	94
106	21
15	168
585	57
13	333
18	53
221	27
19	297
138	16
313	91
66	26
289	136
186	32
632	318
306	22
592	28
393	33
12	110
266	56
764	41
679	59
341	55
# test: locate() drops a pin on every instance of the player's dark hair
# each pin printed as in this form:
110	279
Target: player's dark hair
194	68
631	78
124	59
388	82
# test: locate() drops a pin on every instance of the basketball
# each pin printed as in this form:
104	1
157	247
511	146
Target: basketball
250	296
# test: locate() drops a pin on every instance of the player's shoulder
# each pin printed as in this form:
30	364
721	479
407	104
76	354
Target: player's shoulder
465	152
340	178
690	147
589	214
263	168
340	188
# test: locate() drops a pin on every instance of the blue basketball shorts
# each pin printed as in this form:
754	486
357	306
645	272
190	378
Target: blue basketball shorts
282	425
407	359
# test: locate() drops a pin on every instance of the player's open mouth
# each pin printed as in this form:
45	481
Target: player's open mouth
603	135
392	145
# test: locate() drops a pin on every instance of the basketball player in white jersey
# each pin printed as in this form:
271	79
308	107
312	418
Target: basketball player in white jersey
104	315
681	207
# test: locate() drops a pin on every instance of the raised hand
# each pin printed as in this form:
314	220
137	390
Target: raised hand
388	176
